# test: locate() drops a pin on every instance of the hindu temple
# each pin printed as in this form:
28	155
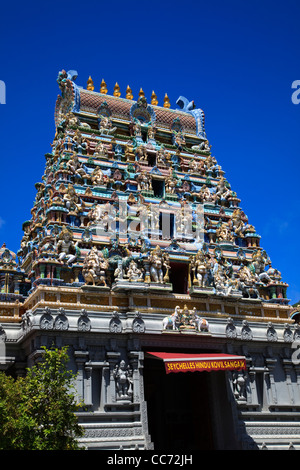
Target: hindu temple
138	256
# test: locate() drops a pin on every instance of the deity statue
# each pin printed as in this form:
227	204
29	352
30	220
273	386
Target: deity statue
100	150
163	157
134	273
178	139
76	167
137	128
151	132
237	223
141	154
105	125
222	191
79	141
70	120
257	267
66	248
170	183
224	233
195	165
95	267
123	379
158	262
72	201
97	177
200	268
144	180
205	194
221	281
99	216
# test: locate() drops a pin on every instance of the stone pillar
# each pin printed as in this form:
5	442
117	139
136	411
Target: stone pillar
113	359
80	359
288	366
88	386
136	377
297	372
270	362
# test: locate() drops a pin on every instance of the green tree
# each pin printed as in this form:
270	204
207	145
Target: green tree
37	412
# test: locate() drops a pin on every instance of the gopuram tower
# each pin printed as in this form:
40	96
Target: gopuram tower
140	258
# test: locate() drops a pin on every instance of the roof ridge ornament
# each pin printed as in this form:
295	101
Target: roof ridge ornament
189	107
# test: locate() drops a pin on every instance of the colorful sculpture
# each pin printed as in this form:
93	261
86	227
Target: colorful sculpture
122	166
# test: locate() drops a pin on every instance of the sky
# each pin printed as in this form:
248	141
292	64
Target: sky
236	59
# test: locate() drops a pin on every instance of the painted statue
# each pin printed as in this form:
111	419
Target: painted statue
95	267
158	262
134	273
200	269
66	248
169	322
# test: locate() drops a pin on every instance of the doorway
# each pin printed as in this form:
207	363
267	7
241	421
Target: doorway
178	407
178	274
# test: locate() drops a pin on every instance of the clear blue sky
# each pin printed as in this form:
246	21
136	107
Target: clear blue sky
236	59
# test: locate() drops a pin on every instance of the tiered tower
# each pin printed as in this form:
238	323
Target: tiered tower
135	229
130	186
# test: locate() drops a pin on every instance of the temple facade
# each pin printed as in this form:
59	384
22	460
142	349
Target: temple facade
139	257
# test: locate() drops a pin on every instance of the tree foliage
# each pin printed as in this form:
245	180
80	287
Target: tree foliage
37	412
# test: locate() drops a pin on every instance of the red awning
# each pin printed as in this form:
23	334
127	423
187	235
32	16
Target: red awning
182	362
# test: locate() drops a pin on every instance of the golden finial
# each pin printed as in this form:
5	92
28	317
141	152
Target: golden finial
103	87
117	90
90	84
154	99
141	94
166	101
129	94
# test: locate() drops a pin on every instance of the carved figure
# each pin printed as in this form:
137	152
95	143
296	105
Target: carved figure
200	269
141	154
67	250
163	157
200	323
157	263
99	215
123	379
237	223
95	267
224	233
100	150
257	267
80	142
204	146
144	180
170	183
196	166
222	191
105	125
205	194
72	201
178	139
170	321
76	167
134	273
97	177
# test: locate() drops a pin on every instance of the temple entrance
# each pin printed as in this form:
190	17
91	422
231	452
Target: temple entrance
178	415
187	411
